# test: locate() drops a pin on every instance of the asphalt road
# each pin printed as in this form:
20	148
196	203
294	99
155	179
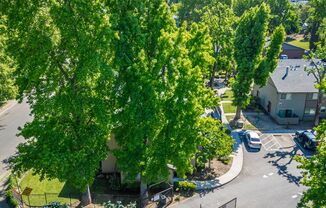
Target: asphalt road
269	179
10	120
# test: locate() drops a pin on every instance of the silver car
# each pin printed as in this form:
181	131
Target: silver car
253	139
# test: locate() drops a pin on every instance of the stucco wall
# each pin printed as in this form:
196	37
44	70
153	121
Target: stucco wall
267	93
296	104
109	165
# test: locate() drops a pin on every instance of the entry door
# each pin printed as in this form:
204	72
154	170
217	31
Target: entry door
269	107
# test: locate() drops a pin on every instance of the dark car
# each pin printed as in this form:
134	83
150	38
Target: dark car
307	138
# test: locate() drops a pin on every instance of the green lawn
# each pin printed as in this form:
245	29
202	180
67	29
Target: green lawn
229	108
228	95
55	191
229	118
300	43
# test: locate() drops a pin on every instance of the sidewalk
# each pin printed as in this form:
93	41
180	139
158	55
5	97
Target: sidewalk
7	106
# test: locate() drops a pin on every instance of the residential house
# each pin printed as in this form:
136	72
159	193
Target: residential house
293	52
290	95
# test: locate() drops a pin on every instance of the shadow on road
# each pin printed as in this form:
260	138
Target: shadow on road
281	160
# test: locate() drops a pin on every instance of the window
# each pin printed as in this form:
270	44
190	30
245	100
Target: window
286	96
285	113
310	111
323	109
312	96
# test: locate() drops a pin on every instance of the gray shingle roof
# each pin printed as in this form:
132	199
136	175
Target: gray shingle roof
297	80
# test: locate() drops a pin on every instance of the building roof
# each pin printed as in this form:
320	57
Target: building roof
297	79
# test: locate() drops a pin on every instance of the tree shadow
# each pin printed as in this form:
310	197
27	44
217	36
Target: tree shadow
277	160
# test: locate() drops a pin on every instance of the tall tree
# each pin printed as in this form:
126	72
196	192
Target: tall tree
191	10
7	86
318	70
249	43
317	14
251	65
282	13
160	94
221	22
314	173
62	50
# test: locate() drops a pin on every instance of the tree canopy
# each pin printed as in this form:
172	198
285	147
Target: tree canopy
252	66
62	66
314	173
7	85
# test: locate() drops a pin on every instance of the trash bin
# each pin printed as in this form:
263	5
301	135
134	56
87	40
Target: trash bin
240	124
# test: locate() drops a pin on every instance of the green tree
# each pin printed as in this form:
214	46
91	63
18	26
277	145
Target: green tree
316	17
251	65
214	142
7	86
221	22
160	94
62	50
191	10
282	13
318	69
314	173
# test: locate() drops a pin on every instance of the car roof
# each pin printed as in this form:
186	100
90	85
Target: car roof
253	134
310	135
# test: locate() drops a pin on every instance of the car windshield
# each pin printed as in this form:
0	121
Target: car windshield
255	139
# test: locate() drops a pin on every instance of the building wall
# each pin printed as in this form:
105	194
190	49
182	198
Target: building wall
109	165
296	104
294	53
267	94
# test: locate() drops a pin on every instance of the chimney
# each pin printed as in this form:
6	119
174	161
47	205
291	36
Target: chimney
286	72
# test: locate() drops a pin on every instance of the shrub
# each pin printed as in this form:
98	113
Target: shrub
119	204
186	186
11	200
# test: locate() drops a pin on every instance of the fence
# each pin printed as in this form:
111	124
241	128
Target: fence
41	200
231	204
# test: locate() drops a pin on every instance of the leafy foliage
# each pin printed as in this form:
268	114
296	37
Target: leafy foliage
160	89
110	204
62	68
249	42
215	142
271	59
7	87
314	173
282	13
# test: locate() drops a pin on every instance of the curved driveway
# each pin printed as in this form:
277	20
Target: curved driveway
10	120
269	179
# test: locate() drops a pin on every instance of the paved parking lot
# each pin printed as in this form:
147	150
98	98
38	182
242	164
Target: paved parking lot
277	142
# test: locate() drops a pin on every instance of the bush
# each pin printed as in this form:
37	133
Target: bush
11	200
110	204
186	187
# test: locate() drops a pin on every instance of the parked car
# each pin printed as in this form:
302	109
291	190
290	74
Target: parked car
307	138
252	139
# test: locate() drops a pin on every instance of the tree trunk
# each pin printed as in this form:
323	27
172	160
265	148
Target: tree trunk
238	113
314	37
213	75
86	198
143	192
317	114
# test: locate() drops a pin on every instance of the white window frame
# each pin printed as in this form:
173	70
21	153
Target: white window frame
312	111
288	96
314	96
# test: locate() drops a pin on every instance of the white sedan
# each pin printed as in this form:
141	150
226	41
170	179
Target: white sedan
253	139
